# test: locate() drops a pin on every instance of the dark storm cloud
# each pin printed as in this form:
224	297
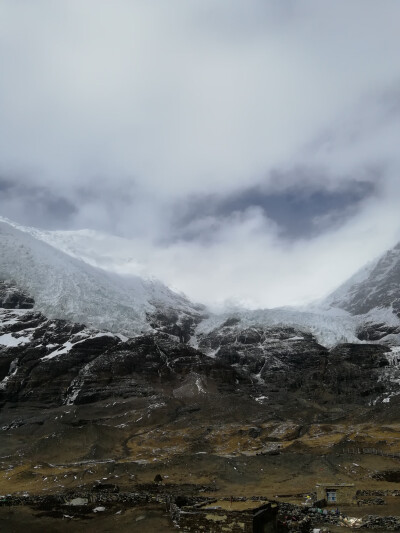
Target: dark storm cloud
301	211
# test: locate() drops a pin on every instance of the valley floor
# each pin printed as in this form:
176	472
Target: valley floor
286	477
196	449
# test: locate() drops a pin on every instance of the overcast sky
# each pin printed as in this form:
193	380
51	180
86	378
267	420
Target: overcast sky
247	151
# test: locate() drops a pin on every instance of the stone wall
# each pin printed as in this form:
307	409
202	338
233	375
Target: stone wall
214	520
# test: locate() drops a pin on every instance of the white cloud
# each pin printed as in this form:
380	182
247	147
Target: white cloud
169	93
251	265
126	109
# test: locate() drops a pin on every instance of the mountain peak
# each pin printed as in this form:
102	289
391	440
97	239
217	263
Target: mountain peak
377	286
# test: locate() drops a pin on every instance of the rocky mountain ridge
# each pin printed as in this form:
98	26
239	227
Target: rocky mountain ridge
379	287
55	362
373	297
137	329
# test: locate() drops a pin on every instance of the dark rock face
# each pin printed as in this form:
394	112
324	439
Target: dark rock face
376	332
354	369
53	362
278	359
12	298
56	362
180	325
288	366
143	367
364	356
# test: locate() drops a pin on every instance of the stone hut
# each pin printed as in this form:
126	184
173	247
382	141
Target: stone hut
336	493
226	515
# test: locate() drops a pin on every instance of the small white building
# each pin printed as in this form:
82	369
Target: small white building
336	493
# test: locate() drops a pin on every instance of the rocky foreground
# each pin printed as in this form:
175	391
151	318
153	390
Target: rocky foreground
240	410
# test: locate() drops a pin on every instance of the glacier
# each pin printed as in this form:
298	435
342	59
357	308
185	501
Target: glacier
69	288
61	270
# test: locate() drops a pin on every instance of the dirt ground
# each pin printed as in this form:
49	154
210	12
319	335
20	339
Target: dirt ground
282	477
269	476
73	448
149	519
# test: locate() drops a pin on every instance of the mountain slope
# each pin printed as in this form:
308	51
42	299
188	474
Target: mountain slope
372	296
378	287
276	365
108	252
67	288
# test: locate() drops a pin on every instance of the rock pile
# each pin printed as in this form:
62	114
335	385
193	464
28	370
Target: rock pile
371	501
295	517
385	523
